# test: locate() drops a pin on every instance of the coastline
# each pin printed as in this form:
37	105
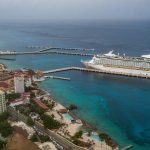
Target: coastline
86	126
133	93
2	67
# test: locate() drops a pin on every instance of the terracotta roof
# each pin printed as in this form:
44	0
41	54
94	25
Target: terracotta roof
63	110
4	84
25	94
18	100
24	98
40	104
19	74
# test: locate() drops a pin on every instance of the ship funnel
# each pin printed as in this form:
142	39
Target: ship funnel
110	54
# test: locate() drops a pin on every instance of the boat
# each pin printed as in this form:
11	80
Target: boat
127	147
117	64
11	59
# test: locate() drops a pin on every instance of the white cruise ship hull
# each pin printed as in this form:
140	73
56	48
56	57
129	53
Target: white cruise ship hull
90	65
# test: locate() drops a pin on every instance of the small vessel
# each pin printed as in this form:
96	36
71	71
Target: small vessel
87	49
127	147
11	59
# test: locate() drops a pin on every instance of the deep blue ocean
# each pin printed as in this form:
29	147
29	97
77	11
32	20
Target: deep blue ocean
117	105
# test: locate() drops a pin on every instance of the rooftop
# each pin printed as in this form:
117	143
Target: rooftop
40	104
4	84
1	92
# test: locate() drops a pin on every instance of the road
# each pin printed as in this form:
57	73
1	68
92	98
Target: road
57	139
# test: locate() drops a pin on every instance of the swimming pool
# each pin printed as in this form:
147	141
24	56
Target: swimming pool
95	136
66	115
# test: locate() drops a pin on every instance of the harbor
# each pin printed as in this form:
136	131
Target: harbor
110	98
108	69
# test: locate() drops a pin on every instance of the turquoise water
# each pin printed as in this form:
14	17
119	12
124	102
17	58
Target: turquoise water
116	105
66	115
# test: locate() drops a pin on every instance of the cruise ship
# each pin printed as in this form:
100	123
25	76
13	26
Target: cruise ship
116	64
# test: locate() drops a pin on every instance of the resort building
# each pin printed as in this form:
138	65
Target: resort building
19	84
24	99
2	102
40	104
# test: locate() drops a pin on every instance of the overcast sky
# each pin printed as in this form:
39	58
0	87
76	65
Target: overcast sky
74	9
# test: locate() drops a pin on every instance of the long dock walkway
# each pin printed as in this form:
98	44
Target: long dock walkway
97	71
44	48
70	53
49	52
56	77
57	70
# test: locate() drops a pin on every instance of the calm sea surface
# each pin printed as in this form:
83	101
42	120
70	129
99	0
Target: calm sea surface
119	106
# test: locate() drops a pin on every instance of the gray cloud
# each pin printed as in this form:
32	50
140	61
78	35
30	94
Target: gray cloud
74	9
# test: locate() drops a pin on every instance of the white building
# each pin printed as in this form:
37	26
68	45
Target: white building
19	84
19	102
28	81
2	102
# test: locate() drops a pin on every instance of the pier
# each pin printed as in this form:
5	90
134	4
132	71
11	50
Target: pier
58	70
48	52
37	46
56	77
58	48
96	71
70	53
